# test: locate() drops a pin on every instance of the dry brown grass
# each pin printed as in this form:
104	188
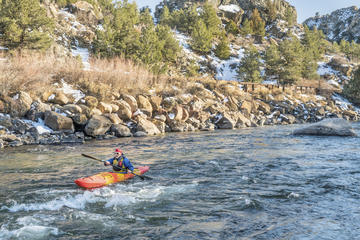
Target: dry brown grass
36	74
26	73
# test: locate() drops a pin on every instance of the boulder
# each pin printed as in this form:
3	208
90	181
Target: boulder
21	105
121	130
91	102
124	111
161	125
114	118
226	122
144	104
131	102
104	107
97	125
60	98
156	102
86	13
37	110
72	109
144	125
327	127
58	122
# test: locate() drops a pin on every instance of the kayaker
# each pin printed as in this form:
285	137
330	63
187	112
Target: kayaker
120	162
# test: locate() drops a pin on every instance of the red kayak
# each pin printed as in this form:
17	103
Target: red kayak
106	178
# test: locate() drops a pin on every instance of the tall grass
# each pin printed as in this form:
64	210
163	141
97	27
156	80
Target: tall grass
37	73
26	73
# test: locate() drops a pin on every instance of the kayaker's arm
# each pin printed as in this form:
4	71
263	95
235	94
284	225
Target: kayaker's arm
128	164
109	162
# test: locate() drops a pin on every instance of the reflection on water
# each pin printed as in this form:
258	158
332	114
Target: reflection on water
256	183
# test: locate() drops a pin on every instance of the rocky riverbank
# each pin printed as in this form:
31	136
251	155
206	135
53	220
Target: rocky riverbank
68	116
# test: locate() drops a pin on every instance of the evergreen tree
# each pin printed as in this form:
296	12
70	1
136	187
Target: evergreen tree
145	18
352	89
201	38
291	61
249	68
246	28
169	46
165	17
232	28
257	24
313	51
150	49
211	20
290	17
24	24
272	61
222	50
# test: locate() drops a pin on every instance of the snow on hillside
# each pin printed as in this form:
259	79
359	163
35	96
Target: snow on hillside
226	69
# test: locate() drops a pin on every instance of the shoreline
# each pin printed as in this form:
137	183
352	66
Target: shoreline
56	119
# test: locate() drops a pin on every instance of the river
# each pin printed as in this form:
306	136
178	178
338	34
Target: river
254	183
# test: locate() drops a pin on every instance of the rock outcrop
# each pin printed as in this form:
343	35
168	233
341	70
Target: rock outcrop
327	127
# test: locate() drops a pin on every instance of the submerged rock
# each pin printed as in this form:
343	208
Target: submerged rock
327	127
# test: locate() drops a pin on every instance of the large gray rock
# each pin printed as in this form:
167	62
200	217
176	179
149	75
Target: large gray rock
146	126
121	130
58	122
97	125
327	127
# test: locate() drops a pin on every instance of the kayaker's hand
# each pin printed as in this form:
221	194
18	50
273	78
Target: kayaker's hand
106	163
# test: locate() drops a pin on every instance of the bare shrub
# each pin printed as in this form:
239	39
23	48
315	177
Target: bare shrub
26	73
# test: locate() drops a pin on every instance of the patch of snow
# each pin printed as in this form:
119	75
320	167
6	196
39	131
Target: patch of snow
323	69
84	54
3	48
343	103
138	112
171	116
68	89
226	69
40	126
230	8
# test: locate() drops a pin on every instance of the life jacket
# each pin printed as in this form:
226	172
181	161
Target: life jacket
119	163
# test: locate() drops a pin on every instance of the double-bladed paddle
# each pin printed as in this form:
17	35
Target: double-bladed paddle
99	160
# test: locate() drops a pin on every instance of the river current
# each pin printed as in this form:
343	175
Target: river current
254	183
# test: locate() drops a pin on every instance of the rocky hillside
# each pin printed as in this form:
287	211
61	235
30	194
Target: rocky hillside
340	24
237	9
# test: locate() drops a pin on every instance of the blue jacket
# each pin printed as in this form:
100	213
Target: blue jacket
126	162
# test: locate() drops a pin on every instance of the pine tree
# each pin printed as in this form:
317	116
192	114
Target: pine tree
291	61
169	46
201	38
165	17
352	89
313	51
24	24
272	61
150	49
211	20
257	24
246	28
145	18
222	50
290	17
232	28
249	68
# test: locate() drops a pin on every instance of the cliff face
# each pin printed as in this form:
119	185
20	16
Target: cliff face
245	6
340	24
